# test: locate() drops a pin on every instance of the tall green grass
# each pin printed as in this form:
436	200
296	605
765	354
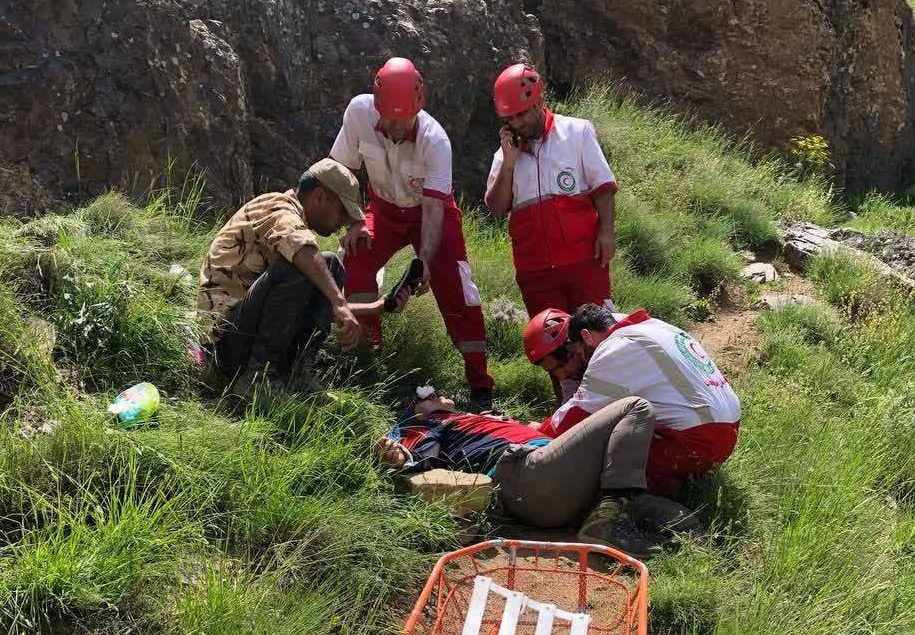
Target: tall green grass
205	522
878	212
822	479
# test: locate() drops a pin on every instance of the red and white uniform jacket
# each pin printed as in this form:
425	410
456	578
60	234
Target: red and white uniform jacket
553	220
400	174
649	358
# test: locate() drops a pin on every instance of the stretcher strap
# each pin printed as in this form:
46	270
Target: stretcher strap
516	605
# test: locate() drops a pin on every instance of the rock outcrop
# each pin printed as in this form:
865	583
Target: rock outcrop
844	69
98	93
101	93
890	254
893	248
305	59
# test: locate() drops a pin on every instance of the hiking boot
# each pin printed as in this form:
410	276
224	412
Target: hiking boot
258	386
210	378
303	378
610	523
480	399
654	513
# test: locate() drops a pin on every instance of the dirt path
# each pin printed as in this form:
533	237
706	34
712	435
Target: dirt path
731	337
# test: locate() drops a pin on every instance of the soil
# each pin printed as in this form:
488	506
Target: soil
606	597
731	337
22	195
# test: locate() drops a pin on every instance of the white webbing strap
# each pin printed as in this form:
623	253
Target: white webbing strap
545	621
474	619
516	604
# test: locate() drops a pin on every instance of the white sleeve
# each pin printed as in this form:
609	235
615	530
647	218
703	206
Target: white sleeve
494	170
437	158
597	171
599	387
346	146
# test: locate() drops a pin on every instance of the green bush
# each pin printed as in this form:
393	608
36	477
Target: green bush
753	225
114	333
856	287
110	215
707	264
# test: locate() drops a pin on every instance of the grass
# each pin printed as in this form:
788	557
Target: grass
206	523
877	212
815	510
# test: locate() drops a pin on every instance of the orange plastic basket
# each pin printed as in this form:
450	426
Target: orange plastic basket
606	584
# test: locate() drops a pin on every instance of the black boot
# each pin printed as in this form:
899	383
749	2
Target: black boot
303	378
259	385
481	399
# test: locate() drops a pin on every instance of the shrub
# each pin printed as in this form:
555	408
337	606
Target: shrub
110	215
856	287
753	226
115	333
707	264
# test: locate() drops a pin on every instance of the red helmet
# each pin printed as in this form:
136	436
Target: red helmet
399	91
547	332
517	89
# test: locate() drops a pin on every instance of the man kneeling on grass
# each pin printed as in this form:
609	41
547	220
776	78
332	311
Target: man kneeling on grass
616	357
269	292
547	482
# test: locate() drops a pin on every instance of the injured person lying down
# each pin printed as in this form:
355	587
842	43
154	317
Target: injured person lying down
548	482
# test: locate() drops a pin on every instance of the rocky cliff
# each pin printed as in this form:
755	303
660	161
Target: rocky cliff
99	93
841	68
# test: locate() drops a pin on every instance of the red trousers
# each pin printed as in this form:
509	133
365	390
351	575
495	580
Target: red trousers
458	299
565	287
675	455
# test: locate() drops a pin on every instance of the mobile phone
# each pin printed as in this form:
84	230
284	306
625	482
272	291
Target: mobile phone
516	139
410	280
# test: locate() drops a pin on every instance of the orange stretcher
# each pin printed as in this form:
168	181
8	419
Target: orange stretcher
519	587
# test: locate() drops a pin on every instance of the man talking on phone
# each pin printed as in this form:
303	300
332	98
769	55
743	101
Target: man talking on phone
551	175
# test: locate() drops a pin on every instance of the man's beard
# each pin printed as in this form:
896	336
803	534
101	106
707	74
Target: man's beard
533	136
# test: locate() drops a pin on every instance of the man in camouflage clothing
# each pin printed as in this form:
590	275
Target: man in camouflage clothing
269	295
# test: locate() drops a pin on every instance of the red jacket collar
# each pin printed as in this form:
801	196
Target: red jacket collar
410	137
548	125
633	318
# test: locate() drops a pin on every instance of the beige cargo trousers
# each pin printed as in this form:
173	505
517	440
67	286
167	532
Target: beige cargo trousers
553	484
